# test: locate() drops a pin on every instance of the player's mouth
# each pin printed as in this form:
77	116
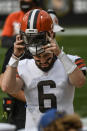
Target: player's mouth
45	64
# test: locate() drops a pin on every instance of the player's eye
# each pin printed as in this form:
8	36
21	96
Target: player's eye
49	58
38	61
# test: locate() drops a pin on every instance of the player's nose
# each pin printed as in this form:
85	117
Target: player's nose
42	61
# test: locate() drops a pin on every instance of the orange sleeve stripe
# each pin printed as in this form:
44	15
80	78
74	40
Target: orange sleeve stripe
79	61
82	65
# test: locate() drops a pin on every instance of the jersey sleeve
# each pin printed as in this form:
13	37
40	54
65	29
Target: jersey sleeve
20	68
80	62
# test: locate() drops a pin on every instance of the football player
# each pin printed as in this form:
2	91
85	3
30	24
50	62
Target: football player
50	78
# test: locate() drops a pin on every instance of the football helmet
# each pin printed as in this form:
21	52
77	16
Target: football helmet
34	27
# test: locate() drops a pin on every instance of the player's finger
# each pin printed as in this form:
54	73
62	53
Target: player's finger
47	46
19	42
17	37
50	49
50	39
19	46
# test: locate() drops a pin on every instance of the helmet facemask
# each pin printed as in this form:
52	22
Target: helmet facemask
34	40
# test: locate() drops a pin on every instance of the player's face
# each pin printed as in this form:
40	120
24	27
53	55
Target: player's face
43	60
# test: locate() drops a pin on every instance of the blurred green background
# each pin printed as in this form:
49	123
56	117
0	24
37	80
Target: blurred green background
75	45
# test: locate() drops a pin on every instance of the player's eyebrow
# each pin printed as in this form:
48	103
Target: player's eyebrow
46	60
37	60
46	54
43	55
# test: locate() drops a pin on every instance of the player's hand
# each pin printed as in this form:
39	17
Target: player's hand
52	47
18	47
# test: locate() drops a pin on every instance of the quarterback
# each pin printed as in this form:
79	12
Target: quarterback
50	78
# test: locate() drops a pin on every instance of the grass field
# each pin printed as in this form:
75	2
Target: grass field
2	54
76	45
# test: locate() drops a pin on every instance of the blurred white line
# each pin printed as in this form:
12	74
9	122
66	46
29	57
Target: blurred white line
71	31
74	31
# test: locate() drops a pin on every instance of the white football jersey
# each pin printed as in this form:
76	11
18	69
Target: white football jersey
45	90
